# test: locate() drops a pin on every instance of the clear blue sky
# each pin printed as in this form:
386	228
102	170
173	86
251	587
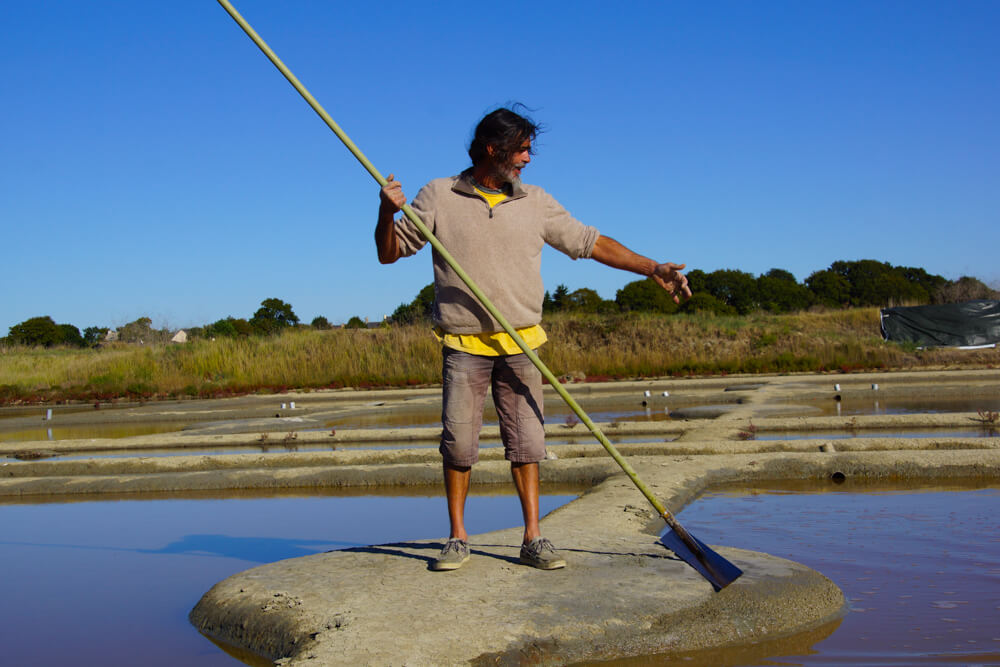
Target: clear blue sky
154	163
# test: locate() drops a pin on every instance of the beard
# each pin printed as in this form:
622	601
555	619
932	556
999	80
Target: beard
507	172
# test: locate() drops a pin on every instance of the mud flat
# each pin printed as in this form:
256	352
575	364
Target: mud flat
621	594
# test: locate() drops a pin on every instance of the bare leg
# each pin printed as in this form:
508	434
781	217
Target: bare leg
456	488
526	480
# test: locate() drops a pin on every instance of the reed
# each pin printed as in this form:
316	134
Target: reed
596	346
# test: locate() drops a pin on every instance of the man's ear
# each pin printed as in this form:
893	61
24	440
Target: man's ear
491	150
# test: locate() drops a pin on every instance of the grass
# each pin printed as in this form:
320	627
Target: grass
597	347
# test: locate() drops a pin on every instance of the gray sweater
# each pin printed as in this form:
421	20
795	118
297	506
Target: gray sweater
500	249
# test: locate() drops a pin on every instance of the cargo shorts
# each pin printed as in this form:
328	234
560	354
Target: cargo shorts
517	396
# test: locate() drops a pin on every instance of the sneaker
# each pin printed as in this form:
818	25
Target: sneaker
453	556
540	553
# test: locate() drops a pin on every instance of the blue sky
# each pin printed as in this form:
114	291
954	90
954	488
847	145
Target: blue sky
154	163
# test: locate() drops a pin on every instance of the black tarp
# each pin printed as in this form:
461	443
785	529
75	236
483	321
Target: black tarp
947	325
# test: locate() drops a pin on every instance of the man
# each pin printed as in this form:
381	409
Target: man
495	226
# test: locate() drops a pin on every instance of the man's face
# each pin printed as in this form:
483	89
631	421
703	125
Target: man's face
510	171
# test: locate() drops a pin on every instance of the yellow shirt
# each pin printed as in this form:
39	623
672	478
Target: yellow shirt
493	344
492	198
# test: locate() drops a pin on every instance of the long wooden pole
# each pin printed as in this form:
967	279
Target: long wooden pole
669	518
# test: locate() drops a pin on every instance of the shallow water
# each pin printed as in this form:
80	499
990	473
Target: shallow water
112	582
620	408
84	432
612	409
920	570
843	434
880	404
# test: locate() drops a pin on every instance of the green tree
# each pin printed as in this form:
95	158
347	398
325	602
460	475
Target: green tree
737	289
867	279
586	300
645	296
779	292
221	329
703	302
320	323
558	301
229	327
273	316
355	323
36	331
928	283
419	310
243	327
139	331
874	283
829	288
94	335
547	303
896	290
697	280
70	335
781	274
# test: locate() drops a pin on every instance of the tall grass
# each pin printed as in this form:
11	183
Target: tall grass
599	347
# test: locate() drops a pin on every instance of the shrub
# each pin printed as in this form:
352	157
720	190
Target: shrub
94	335
964	289
645	296
418	310
36	331
142	331
273	316
70	335
221	328
700	302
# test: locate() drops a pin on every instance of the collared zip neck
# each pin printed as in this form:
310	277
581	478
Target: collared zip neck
464	185
499	203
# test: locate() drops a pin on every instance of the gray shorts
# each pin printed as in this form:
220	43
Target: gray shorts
517	396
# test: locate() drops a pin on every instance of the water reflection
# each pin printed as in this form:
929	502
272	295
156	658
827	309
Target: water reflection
920	568
83	432
888	405
114	580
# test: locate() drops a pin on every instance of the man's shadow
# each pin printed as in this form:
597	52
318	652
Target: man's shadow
254	549
428	551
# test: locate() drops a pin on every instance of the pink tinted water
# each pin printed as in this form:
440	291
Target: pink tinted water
108	583
920	569
112	582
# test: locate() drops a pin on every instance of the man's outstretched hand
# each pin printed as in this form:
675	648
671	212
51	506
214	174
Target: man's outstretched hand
669	277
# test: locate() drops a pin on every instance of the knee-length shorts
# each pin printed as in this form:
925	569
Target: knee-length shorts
517	396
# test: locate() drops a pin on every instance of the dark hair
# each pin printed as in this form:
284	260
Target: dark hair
503	129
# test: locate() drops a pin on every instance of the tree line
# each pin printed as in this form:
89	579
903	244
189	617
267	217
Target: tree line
845	284
273	317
